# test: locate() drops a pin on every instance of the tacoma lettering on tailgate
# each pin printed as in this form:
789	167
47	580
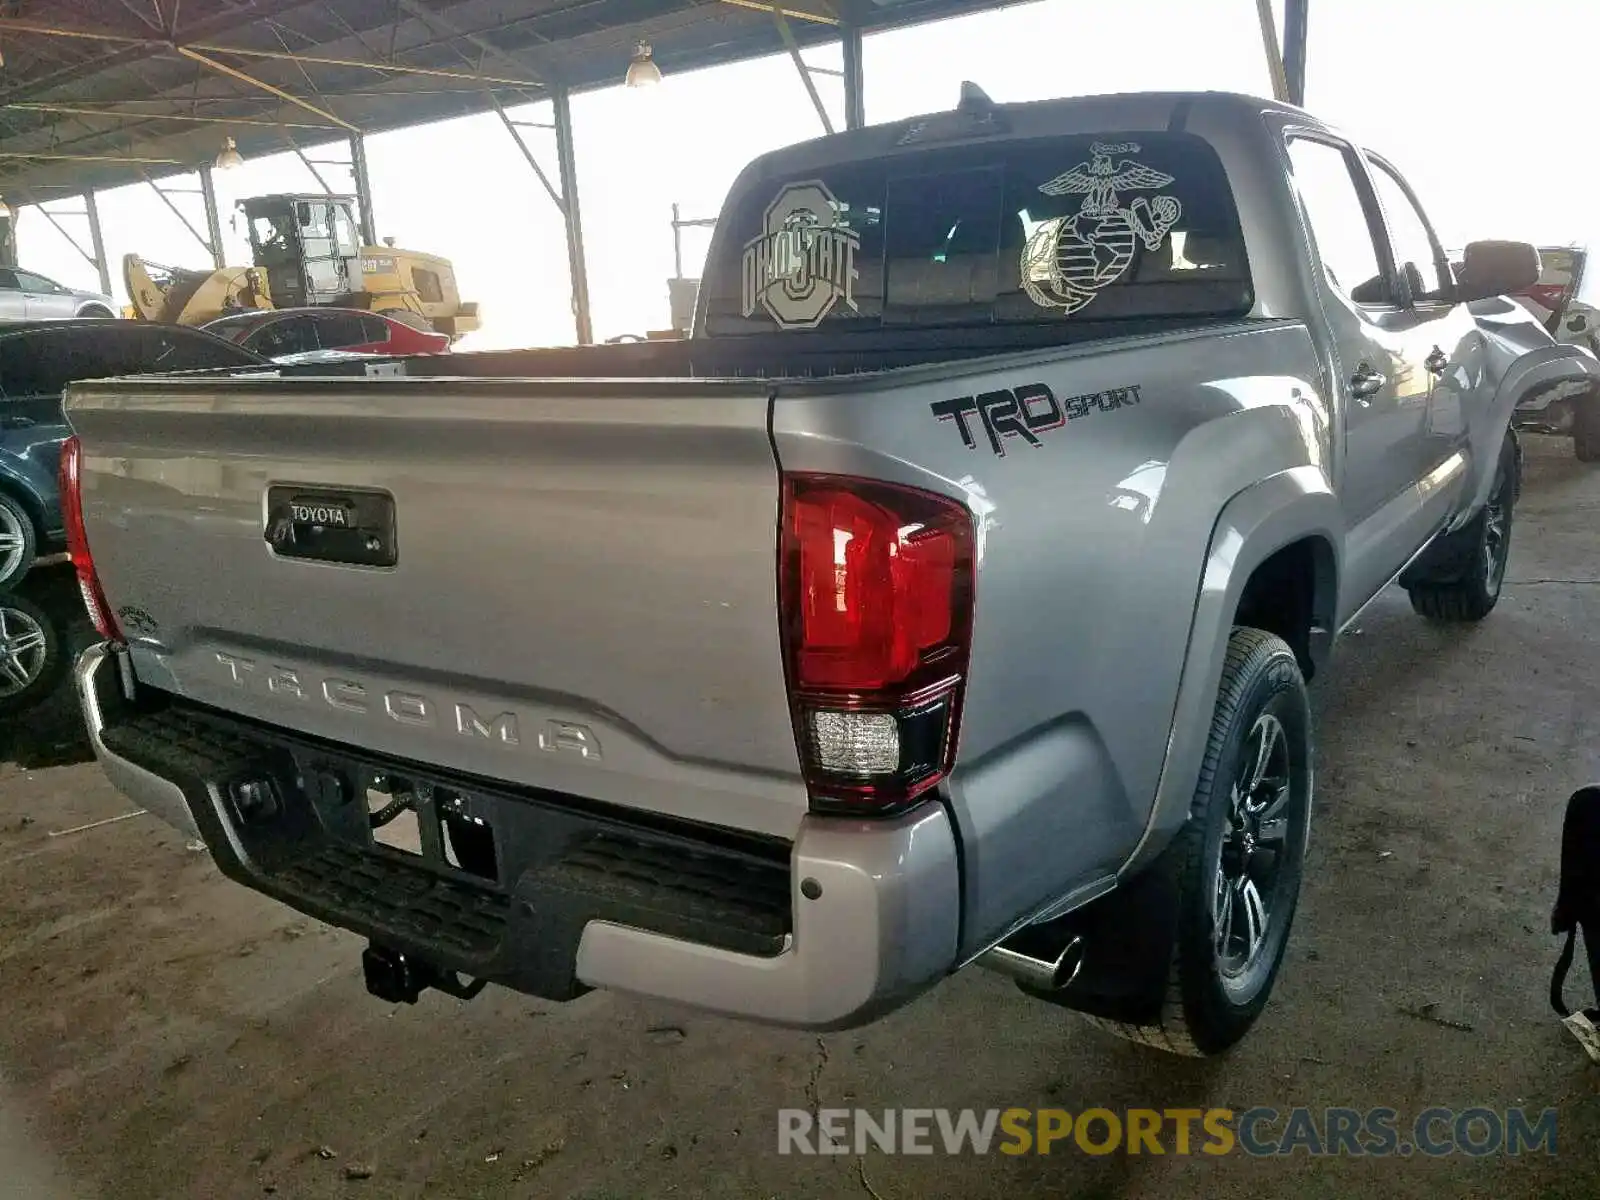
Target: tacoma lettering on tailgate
407	708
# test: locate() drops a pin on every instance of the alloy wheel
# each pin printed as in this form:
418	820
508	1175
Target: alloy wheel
1253	849
13	542
23	647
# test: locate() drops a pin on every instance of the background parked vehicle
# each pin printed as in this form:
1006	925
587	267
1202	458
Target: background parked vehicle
1567	302
305	250
1567	297
276	333
29	296
37	361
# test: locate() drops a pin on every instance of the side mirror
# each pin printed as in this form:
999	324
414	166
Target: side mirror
1496	269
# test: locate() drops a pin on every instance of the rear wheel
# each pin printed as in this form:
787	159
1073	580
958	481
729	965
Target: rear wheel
18	542
1238	861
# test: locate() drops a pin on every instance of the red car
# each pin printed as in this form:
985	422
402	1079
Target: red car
276	333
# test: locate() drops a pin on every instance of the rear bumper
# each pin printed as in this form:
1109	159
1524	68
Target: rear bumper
848	922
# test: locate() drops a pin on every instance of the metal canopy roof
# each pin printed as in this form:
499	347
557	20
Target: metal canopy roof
121	89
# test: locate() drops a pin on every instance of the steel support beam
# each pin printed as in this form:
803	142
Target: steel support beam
358	168
568	167
110	158
97	239
527	153
323	60
122	114
182	216
855	100
98	256
311	165
798	14
208	193
1294	49
244	77
793	47
1269	42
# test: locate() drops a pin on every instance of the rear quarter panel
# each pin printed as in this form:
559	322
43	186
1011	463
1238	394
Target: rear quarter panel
1092	545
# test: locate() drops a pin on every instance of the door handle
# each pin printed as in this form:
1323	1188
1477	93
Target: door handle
1436	362
1366	383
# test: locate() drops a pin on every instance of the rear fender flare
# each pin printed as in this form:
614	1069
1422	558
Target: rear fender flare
1258	522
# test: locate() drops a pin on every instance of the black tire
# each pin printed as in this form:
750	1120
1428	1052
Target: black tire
97	311
19	541
1586	428
1480	549
1214	996
28	673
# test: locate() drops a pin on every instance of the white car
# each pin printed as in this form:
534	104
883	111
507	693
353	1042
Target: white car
29	296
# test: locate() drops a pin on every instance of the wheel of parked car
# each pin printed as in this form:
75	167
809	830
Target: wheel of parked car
1236	866
30	653
1465	585
17	541
1586	428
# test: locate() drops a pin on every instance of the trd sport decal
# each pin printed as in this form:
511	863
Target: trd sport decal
1025	412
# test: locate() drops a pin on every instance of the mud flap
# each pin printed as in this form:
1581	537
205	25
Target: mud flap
1129	936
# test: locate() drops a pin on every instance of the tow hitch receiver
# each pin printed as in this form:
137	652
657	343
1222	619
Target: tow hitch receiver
400	978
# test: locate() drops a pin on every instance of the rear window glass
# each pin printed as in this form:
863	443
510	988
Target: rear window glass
1072	228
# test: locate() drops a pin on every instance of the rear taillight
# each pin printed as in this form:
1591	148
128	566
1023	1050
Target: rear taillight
94	597
877	585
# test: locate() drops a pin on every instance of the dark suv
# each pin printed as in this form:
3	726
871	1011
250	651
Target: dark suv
37	361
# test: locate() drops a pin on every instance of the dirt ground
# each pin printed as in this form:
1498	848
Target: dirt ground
164	1033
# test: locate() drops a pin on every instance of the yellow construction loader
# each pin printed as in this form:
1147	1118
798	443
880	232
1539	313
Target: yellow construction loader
305	252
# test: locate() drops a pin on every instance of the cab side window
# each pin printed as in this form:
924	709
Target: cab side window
1416	253
1338	221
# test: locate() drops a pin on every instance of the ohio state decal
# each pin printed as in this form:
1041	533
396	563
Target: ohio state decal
804	261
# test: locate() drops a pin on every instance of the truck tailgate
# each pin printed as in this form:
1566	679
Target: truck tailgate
583	596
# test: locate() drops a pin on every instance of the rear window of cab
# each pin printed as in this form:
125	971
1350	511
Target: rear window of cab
1061	229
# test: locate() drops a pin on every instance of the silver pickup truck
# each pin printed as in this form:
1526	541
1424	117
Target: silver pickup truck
948	597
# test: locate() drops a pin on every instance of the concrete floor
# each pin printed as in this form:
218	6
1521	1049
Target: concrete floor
164	1033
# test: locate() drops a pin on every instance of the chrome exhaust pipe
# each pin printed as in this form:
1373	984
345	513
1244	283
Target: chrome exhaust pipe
1045	974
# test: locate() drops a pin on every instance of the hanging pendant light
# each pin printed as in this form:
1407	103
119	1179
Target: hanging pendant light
642	69
230	157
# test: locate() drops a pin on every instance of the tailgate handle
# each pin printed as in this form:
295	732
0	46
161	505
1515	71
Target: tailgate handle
354	527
